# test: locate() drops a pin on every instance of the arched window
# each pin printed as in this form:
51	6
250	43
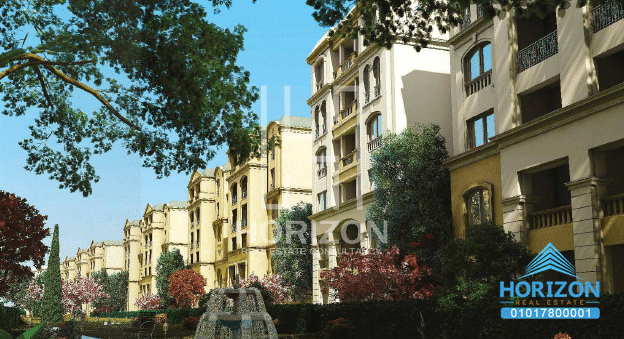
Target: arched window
244	188
377	76
317	121
218	186
321	162
366	84
234	193
478	61
323	117
374	127
478	204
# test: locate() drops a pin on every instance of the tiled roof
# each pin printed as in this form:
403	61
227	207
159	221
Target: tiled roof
135	222
292	121
177	204
158	207
209	172
113	242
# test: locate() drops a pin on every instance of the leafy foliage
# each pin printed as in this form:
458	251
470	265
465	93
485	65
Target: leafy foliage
164	81
168	263
186	287
293	256
472	268
412	191
21	234
51	308
379	275
384	22
116	286
81	291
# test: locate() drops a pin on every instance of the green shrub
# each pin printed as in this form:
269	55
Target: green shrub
174	315
9	318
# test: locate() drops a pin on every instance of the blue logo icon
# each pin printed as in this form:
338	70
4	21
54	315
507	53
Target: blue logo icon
550	259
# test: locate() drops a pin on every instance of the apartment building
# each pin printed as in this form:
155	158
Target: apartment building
68	268
105	255
358	94
132	248
538	134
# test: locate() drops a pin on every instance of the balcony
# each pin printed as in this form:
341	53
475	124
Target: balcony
192	245
243	194
192	224
374	144
234	200
244	223
538	51
345	65
321	173
377	90
479	83
349	110
552	217
465	23
272	186
319	85
233	226
321	130
197	244
613	205
607	14
347	160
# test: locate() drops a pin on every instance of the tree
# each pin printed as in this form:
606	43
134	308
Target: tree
273	288
412	191
83	290
51	310
21	234
148	301
472	268
186	287
164	81
380	275
168	263
292	257
115	286
384	22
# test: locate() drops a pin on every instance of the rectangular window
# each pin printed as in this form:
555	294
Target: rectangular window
481	129
322	200
244	240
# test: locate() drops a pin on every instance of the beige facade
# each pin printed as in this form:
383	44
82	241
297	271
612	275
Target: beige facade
132	248
544	97
359	93
68	268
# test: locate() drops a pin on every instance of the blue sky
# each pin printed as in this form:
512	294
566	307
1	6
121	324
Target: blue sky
281	34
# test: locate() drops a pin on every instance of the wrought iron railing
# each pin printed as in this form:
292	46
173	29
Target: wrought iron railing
480	11
552	217
538	51
350	109
322	172
465	21
348	160
613	205
197	244
234	200
244	223
234	226
192	245
367	97
345	65
273	186
244	194
374	144
479	83
607	14
377	90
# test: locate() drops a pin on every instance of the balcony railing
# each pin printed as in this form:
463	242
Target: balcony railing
552	217
234	226
192	245
244	194
197	243
348	159
479	11
319	85
377	90
234	200
273	186
465	23
374	144
322	172
244	223
350	109
479	83
192	224
538	51
345	65
367	97
607	14
613	205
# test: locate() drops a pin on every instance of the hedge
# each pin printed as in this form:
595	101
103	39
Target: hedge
406	319
9	318
174	315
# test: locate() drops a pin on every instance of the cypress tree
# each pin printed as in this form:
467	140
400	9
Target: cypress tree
51	304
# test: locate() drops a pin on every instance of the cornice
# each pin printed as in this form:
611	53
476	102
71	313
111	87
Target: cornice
320	93
471	156
473	28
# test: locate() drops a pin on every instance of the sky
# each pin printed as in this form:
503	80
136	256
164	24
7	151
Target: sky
281	34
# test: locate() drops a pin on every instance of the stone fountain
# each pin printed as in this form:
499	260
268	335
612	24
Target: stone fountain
236	313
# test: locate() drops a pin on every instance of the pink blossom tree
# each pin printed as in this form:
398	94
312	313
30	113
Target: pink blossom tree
81	291
273	284
148	301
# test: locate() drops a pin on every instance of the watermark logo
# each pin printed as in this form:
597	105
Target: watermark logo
550	293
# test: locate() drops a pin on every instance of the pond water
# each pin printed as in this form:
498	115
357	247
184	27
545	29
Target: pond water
87	337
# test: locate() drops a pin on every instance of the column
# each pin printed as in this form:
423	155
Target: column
589	251
317	297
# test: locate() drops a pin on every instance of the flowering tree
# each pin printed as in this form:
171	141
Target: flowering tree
380	275
273	285
82	291
186	287
148	301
